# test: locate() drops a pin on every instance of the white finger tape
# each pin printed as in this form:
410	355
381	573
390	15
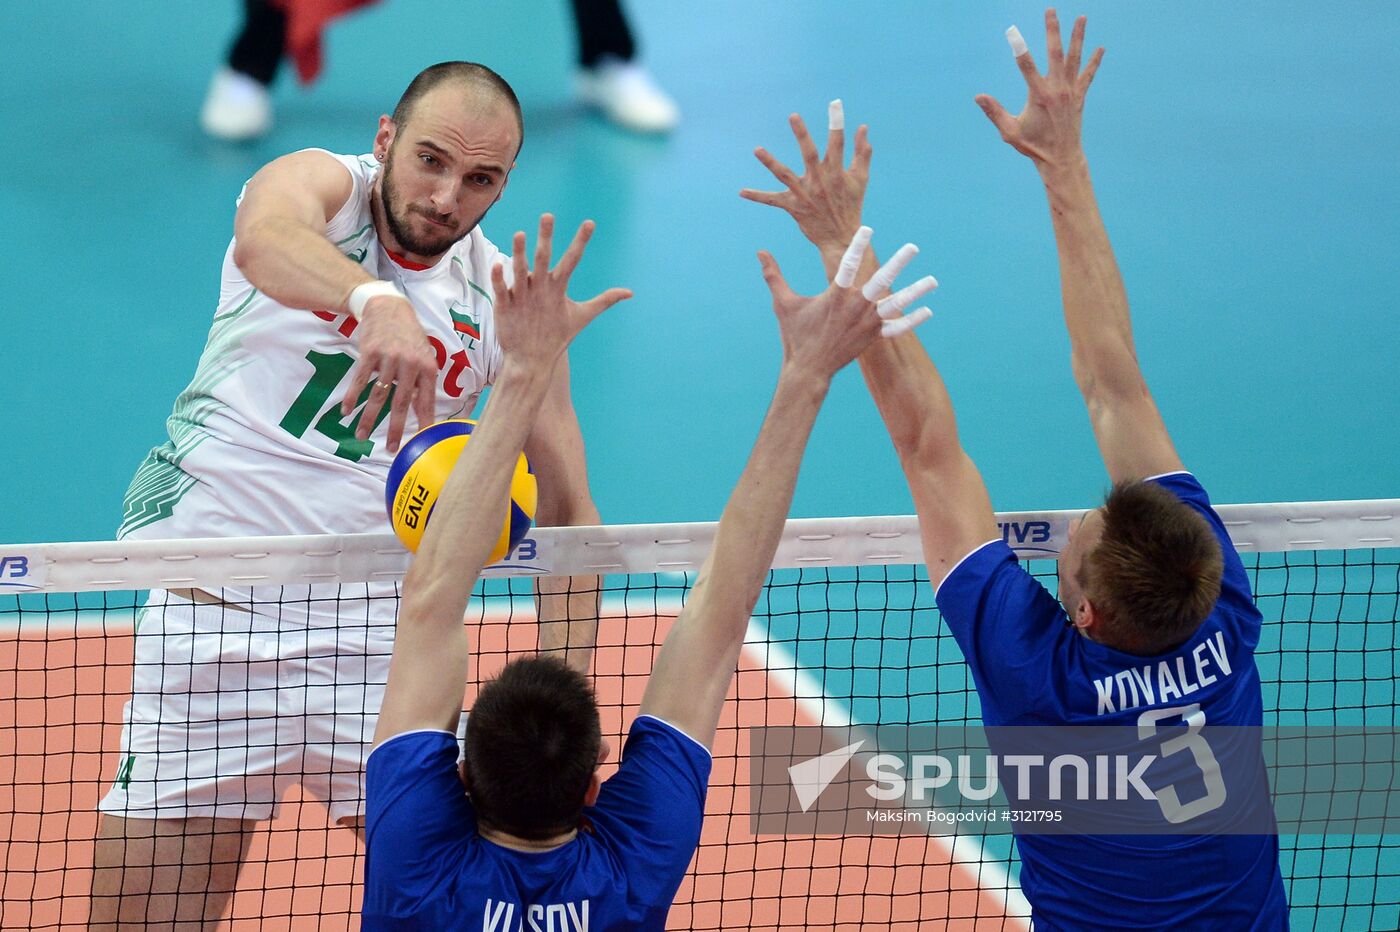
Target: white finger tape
893	328
835	115
1018	44
881	280
850	262
891	307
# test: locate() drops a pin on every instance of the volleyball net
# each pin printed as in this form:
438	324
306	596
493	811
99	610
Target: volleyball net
845	635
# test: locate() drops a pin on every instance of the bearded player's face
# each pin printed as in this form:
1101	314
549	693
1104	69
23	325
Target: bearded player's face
444	169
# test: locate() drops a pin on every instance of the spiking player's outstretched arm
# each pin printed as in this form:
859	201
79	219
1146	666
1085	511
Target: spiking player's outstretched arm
955	513
535	321
1132	437
820	335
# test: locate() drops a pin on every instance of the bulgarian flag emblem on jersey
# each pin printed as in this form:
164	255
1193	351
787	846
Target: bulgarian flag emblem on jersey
463	322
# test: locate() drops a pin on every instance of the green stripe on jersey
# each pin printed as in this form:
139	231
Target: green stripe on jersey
355	235
160	482
229	315
471	284
155	490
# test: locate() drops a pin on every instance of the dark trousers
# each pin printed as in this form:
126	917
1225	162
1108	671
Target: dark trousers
258	49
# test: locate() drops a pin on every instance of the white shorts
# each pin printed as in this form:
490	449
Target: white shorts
230	708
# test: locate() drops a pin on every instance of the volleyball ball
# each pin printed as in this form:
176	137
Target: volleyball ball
419	472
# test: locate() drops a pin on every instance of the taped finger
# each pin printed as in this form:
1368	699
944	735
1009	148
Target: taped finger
1018	44
891	307
880	282
893	328
850	262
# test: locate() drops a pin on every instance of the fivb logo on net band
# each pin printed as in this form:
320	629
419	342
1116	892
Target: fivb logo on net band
21	572
1030	538
526	556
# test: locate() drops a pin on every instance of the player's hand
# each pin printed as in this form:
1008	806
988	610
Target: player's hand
826	199
535	318
825	332
1047	130
396	358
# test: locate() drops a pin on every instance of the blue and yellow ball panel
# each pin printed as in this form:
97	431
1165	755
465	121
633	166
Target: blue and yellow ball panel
419	472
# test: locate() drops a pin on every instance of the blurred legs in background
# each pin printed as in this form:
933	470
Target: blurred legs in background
238	105
609	77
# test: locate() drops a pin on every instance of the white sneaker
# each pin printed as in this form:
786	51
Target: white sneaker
237	108
626	93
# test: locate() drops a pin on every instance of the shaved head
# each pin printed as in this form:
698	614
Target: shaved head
476	82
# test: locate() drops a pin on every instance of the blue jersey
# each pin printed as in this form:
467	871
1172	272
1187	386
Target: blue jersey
427	867
1031	668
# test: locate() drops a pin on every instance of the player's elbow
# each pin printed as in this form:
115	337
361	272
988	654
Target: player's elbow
913	438
242	254
937	481
249	244
1122	402
1109	377
1125	390
929	452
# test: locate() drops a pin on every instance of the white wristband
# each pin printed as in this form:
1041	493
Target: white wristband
362	294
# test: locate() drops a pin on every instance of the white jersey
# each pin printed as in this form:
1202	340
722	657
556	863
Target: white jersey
257	442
